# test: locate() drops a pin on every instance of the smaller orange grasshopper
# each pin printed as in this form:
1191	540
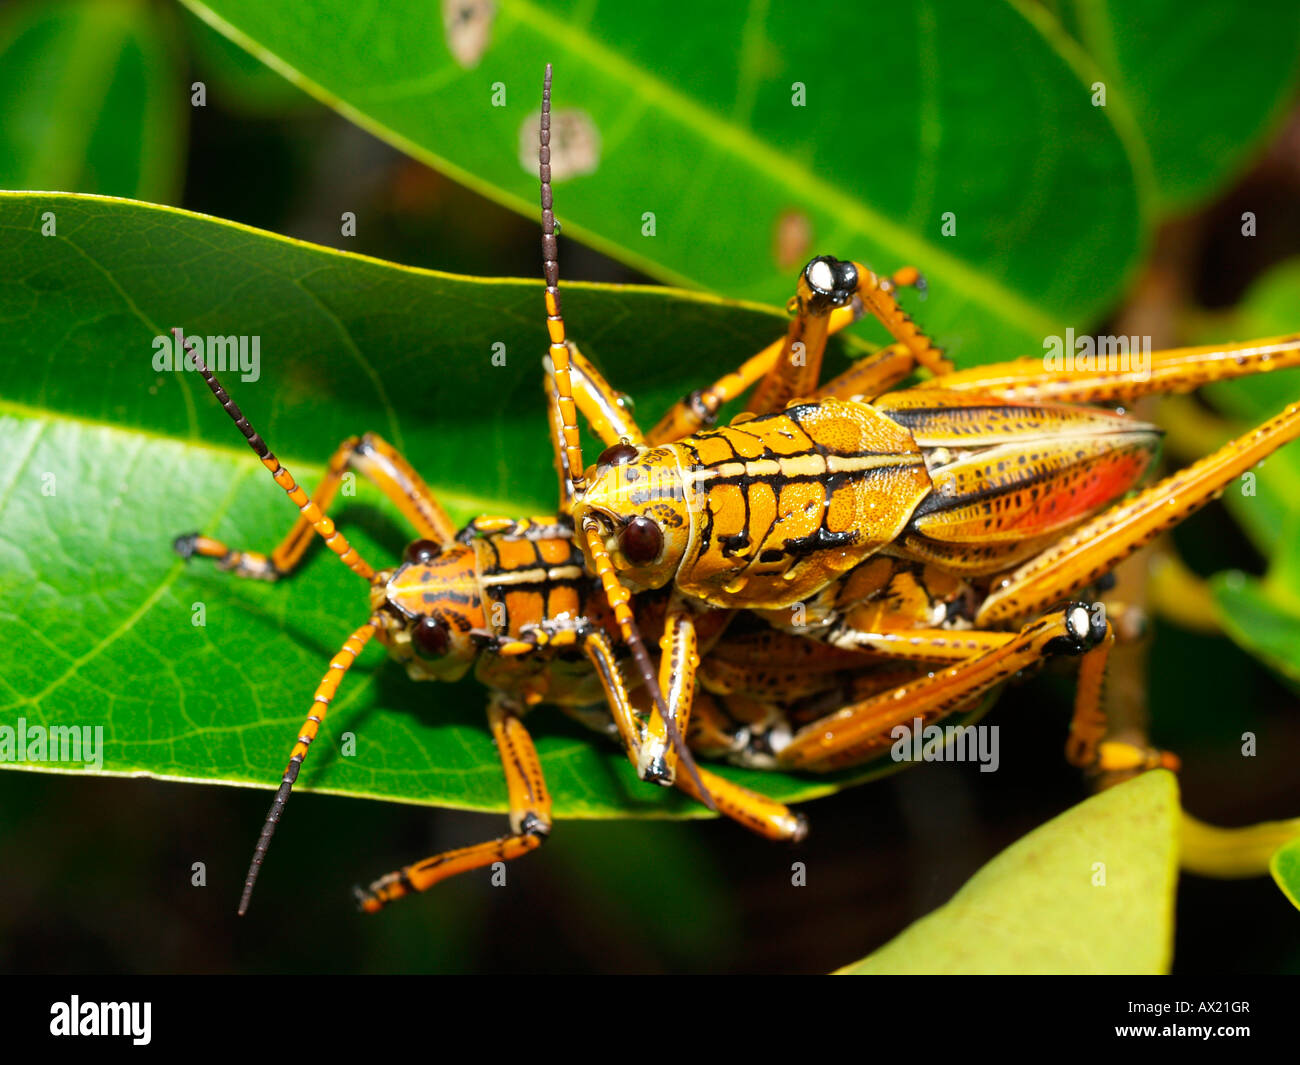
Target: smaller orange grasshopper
508	598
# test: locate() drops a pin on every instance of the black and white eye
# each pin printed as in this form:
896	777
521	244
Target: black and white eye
641	541
832	278
430	637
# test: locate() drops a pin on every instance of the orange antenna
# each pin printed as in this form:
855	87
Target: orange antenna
554	312
567	418
325	692
334	540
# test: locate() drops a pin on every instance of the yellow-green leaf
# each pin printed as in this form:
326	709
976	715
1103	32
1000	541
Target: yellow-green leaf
1285	867
1091	891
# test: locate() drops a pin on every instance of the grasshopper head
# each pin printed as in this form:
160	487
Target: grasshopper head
430	604
639	499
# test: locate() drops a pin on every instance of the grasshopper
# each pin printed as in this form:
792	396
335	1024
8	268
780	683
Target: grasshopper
950	523
509	599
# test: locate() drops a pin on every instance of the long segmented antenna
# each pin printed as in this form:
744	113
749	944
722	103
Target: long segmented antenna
325	692
554	312
340	663
334	540
615	593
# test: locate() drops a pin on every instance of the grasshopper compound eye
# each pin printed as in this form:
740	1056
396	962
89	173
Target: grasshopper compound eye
617	455
429	638
423	551
641	541
831	279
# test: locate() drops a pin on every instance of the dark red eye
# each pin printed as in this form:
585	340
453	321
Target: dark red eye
423	551
617	455
430	637
640	541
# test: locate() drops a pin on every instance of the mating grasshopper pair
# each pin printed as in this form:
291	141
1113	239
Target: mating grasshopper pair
928	540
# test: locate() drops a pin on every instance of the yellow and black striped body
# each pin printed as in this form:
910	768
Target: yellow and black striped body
539	602
515	600
777	510
766	511
535	585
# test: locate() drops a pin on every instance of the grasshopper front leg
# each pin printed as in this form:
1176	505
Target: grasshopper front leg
376	460
530	818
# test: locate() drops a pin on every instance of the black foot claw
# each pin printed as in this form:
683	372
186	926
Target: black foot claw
186	545
656	772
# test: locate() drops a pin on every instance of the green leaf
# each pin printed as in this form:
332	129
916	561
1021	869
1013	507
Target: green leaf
1260	620
1263	616
90	99
1271	307
1285	867
239	81
1038	907
106	460
983	112
1171	62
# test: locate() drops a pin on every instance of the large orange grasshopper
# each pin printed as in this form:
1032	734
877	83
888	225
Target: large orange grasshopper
950	523
508	597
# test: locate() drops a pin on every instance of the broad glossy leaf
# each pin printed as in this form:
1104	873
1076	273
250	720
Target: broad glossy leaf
1264	622
90	99
757	137
1270	308
237	80
106	459
1263	616
1091	891
1170	62
1285	867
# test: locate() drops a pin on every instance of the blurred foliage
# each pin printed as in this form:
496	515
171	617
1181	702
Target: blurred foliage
89	99
1204	82
1263	615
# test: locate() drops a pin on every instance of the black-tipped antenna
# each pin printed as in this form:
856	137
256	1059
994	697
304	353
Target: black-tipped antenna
572	447
334	540
559	350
